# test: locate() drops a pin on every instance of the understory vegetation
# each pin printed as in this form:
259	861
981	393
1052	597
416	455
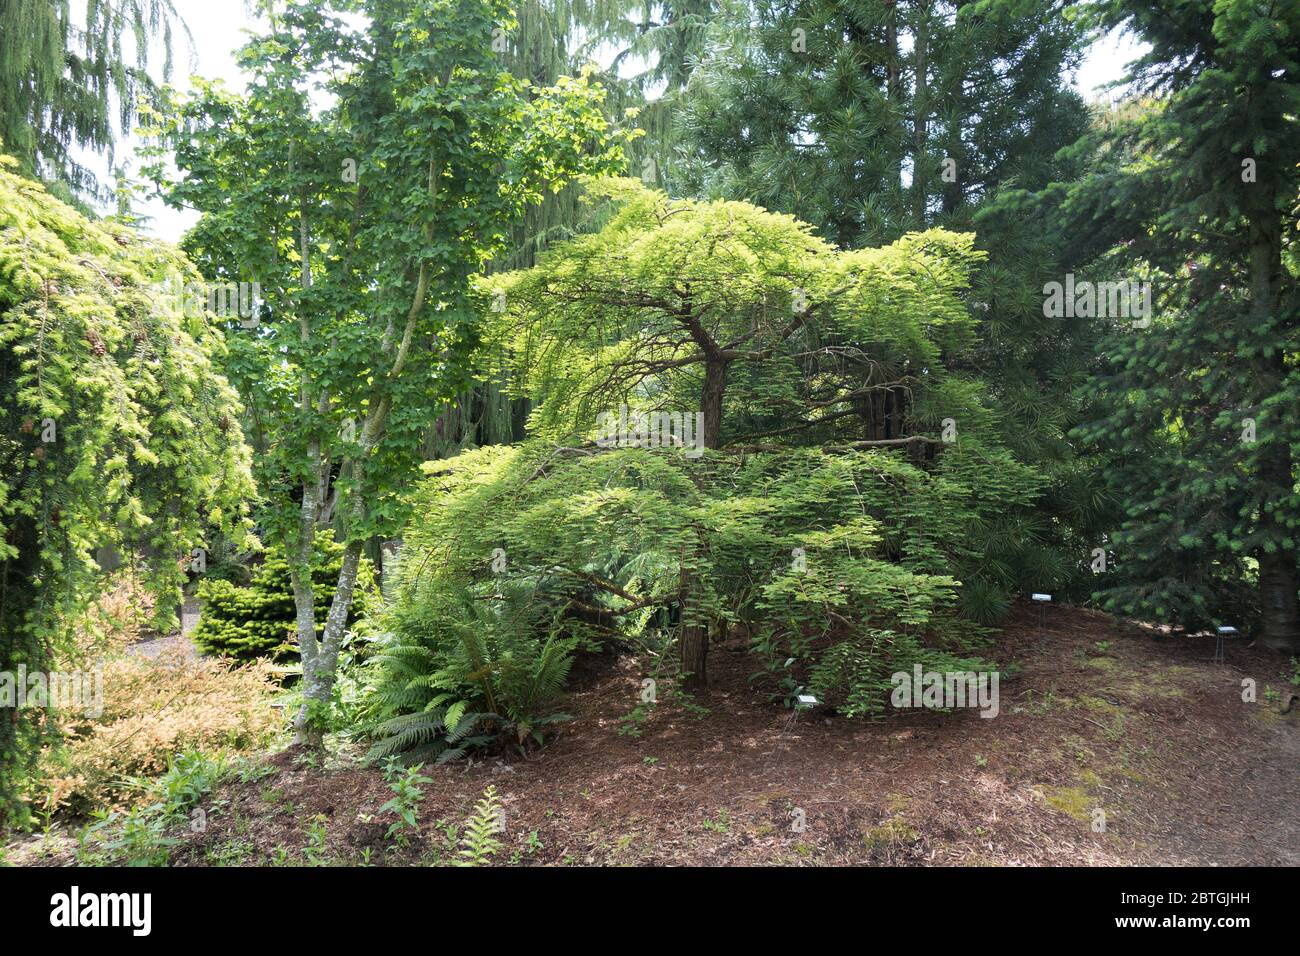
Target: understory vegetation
822	334
254	619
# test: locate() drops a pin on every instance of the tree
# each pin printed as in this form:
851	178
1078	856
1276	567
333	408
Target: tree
650	48
60	83
837	566
117	430
870	119
773	337
673	297
362	224
1192	187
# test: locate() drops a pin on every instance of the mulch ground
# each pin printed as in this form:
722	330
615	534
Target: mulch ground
1110	748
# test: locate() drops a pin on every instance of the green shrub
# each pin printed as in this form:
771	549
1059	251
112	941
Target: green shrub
847	566
257	621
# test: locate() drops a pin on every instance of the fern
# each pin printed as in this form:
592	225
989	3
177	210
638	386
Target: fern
479	841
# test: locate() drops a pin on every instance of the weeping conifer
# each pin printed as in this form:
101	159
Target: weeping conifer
64	81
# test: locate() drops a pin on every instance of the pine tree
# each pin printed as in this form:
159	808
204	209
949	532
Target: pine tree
874	117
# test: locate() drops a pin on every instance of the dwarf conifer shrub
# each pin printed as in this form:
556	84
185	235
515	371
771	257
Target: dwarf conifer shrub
257	621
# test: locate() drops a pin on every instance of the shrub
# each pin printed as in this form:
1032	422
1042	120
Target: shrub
846	565
153	709
257	621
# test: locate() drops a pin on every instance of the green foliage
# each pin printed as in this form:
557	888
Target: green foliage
365	334
64	76
257	620
456	674
363	223
1198	415
316	852
877	117
843	558
846	114
742	314
845	562
142	835
116	428
405	783
479	842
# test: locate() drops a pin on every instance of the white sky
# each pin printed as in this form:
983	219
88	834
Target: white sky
218	29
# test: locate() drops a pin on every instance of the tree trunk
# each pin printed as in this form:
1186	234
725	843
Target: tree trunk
301	557
694	637
920	121
891	47
715	385
1278	585
327	655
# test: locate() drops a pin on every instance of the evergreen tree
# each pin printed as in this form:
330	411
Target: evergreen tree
873	117
62	82
116	430
1193	188
773	337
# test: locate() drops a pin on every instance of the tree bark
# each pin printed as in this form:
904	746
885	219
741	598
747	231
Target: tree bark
715	385
694	637
335	622
921	120
1279	607
303	553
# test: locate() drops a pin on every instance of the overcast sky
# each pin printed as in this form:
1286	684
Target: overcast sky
218	28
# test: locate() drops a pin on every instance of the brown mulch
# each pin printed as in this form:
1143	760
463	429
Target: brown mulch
1149	732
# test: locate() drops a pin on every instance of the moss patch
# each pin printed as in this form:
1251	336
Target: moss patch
894	830
1073	801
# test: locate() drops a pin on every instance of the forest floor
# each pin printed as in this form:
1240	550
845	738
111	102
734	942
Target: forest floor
1151	732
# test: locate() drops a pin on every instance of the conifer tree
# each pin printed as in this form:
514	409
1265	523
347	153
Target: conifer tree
871	118
116	430
63	81
1193	188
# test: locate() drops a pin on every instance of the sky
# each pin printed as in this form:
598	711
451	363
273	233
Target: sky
218	29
